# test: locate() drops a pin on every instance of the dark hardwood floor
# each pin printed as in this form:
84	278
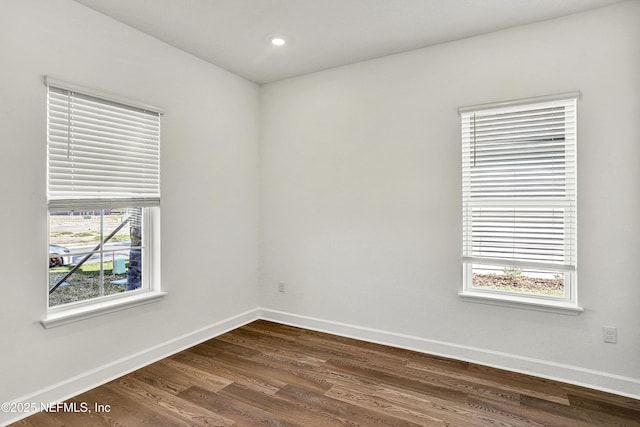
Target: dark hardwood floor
267	374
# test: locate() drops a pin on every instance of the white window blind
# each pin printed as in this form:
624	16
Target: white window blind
101	152
519	184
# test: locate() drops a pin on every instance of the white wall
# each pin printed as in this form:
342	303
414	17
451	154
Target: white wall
361	197
209	195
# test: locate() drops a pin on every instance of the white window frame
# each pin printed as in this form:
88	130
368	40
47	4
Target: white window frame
150	290
566	304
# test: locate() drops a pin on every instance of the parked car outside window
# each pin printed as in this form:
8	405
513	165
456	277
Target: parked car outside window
59	255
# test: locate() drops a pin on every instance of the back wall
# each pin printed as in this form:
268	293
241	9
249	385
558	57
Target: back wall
361	197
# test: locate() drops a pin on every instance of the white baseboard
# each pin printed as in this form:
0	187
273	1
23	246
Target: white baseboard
624	386
103	374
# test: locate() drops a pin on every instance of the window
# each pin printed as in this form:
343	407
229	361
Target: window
103	190
519	201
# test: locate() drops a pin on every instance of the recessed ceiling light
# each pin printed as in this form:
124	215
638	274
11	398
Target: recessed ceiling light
278	41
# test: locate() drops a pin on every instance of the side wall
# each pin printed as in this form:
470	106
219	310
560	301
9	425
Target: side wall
209	197
361	197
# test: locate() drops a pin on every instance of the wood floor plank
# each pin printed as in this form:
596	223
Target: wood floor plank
370	401
234	375
493	383
533	385
303	344
408	404
135	410
342	410
286	410
244	414
390	379
271	347
275	372
600	405
163	377
268	374
451	380
264	373
166	403
583	417
186	375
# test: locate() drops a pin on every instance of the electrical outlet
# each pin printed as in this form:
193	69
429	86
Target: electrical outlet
281	287
610	334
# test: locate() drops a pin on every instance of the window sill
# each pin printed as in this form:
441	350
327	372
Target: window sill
558	307
76	314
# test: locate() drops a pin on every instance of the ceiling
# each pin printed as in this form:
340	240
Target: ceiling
321	34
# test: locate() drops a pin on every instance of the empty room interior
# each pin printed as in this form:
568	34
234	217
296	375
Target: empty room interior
456	181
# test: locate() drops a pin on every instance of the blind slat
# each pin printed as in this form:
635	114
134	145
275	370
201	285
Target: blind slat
101	151
519	185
